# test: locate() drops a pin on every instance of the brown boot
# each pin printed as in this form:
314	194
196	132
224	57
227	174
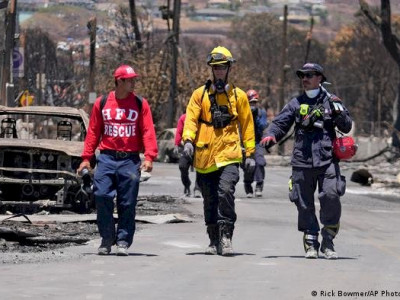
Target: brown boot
212	231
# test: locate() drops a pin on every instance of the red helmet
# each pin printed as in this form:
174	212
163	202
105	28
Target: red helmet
252	95
344	147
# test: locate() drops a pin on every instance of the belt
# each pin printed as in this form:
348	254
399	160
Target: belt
119	154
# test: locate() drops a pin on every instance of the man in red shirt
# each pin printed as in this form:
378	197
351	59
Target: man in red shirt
121	127
184	161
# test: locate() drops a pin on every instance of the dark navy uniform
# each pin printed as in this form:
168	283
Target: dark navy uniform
313	162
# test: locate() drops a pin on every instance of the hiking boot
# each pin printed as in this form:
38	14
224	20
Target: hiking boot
328	250
226	246
104	250
248	189
122	250
225	242
213	234
311	253
311	245
196	194
187	192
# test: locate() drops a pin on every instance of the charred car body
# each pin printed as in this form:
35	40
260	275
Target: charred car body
40	148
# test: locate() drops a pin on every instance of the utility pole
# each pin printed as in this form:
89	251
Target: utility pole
134	23
174	40
308	38
281	148
6	74
92	26
283	60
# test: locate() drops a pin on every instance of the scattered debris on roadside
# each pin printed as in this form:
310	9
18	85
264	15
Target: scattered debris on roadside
22	233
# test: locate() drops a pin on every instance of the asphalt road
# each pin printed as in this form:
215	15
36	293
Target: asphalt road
167	260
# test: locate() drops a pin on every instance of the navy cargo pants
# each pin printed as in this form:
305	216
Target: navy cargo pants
218	189
116	176
258	174
331	185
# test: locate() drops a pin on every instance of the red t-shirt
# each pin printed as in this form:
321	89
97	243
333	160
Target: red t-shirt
121	126
179	130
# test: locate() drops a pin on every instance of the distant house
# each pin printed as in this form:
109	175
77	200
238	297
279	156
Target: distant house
32	4
212	14
218	3
85	3
314	1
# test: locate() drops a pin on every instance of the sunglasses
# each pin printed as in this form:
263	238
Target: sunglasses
220	67
307	75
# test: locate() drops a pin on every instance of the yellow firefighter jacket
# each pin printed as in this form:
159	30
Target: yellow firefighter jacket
218	147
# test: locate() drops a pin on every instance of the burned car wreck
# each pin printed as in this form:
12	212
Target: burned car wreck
40	148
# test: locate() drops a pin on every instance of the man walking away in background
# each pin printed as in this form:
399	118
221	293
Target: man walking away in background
184	161
260	124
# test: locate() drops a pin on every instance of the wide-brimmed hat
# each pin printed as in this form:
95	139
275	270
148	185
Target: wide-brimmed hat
311	67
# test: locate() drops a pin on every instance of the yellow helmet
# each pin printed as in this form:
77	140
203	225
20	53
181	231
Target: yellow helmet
220	55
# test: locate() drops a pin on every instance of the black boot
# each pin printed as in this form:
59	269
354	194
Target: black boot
225	240
213	234
259	189
187	191
248	190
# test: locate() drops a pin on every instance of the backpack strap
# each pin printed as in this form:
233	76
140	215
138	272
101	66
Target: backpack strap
139	100
206	88
103	101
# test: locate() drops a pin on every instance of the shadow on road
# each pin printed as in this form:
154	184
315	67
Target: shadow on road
114	254
302	257
202	253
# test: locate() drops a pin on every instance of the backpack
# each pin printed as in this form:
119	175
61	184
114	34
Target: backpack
138	98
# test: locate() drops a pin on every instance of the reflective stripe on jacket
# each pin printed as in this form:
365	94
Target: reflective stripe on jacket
218	147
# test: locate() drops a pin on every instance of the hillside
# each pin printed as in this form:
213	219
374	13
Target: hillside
70	22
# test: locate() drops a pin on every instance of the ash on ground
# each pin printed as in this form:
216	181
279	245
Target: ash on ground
23	242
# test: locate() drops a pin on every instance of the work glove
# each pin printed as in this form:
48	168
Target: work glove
188	149
336	105
176	150
268	142
249	165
